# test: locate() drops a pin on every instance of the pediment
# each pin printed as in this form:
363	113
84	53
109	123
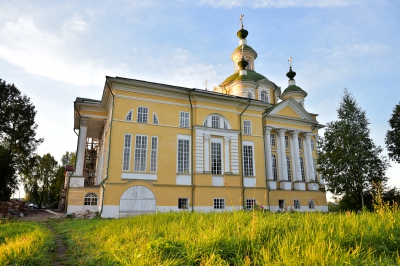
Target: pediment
291	108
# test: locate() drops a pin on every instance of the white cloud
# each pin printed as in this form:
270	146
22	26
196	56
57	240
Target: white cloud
50	55
276	3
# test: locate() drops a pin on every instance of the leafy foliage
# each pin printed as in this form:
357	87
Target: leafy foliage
17	135
37	177
392	139
348	159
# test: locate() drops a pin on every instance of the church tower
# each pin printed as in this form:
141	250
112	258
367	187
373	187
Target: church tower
246	82
293	91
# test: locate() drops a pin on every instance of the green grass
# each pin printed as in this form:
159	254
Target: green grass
235	238
25	243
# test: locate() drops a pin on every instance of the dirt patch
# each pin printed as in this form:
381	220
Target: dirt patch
60	249
38	215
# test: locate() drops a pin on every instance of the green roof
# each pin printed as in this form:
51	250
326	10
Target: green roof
251	75
246	47
293	88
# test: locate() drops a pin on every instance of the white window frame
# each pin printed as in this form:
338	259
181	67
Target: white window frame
142	114
312	144
184	119
219	203
215	121
153	154
140	160
250	204
155	119
265	94
90	199
183	203
300	140
289	170
221	162
126	153
129	115
296	204
303	173
245	167
272	139
287	142
247	127
274	167
178	159
311	204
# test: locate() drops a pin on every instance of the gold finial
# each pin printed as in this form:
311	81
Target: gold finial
241	19
290	61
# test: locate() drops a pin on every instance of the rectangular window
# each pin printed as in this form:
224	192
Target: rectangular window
247	127
216	158
183	204
127	152
248	160
183	156
184	119
155	119
272	139
215	121
250	203
142	114
153	155
286	141
281	204
140	153
311	204
219	204
300	143
297	204
312	144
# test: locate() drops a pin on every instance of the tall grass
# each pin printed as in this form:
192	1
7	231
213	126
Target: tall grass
26	243
236	238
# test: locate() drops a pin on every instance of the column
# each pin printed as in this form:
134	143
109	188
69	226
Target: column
206	153
282	155
310	165
80	156
268	161
227	155
296	159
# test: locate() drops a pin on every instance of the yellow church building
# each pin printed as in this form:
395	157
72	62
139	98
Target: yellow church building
147	147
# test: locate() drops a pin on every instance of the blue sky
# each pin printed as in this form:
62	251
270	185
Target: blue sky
55	51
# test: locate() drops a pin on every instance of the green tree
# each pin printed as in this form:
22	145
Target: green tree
68	158
37	177
17	136
348	159
392	139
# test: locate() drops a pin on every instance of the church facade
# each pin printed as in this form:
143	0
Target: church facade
147	147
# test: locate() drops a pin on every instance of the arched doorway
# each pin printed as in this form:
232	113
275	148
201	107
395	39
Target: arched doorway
137	200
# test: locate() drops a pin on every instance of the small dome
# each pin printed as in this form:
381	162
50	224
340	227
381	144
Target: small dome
242	64
291	74
242	34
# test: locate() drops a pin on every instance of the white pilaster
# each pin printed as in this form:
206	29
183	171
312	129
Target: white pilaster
268	160
199	152
80	156
310	165
227	155
282	155
235	154
206	153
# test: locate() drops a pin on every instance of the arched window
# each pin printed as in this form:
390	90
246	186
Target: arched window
274	169
90	199
129	116
249	95
216	121
303	176
264	97
289	175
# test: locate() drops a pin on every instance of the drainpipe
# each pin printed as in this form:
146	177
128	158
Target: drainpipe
191	165
241	148
109	148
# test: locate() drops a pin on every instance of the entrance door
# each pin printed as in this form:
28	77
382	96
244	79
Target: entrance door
137	200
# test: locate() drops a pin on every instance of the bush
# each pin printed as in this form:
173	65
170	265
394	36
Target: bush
54	205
